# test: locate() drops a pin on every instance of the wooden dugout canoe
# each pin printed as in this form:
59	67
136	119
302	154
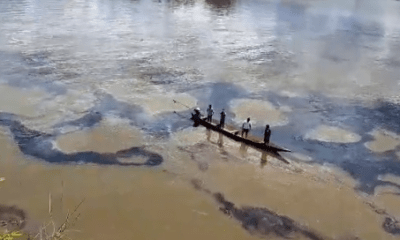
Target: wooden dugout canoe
270	147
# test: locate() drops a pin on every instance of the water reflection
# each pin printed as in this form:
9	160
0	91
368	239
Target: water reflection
292	13
221	3
263	159
178	3
243	149
208	134
220	140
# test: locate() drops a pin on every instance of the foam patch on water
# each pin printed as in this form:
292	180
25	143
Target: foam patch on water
326	133
261	112
110	135
383	141
298	157
291	94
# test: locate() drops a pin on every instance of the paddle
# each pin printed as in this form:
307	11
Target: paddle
180	115
181	103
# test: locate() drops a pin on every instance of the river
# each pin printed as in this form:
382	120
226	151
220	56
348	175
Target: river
87	113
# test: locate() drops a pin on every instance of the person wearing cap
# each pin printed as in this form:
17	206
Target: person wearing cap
267	134
246	127
222	119
210	113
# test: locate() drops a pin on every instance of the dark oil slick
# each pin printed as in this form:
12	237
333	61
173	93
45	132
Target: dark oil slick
39	145
12	218
262	222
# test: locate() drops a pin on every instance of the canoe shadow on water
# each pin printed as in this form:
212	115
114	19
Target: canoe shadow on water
39	145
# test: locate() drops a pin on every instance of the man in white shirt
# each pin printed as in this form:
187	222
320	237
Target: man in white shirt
246	127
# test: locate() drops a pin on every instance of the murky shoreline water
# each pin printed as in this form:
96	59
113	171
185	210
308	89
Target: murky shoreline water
90	84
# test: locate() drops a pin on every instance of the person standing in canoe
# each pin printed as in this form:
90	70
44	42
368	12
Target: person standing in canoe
267	134
246	127
222	119
210	113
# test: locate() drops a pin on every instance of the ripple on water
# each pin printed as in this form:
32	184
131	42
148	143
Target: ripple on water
19	101
326	133
190	136
164	103
259	111
390	178
313	197
388	196
154	103
73	100
383	141
64	107
110	135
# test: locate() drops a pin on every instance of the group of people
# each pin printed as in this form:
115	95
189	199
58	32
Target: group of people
246	126
210	113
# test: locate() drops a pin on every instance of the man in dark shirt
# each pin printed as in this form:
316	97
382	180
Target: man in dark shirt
267	134
222	120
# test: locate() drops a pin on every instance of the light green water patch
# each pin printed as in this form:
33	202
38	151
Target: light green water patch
260	112
110	135
326	133
383	141
52	110
160	103
151	98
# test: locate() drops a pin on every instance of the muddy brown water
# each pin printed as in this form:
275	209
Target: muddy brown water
92	78
154	204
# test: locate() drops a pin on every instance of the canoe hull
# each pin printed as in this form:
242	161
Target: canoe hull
262	146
